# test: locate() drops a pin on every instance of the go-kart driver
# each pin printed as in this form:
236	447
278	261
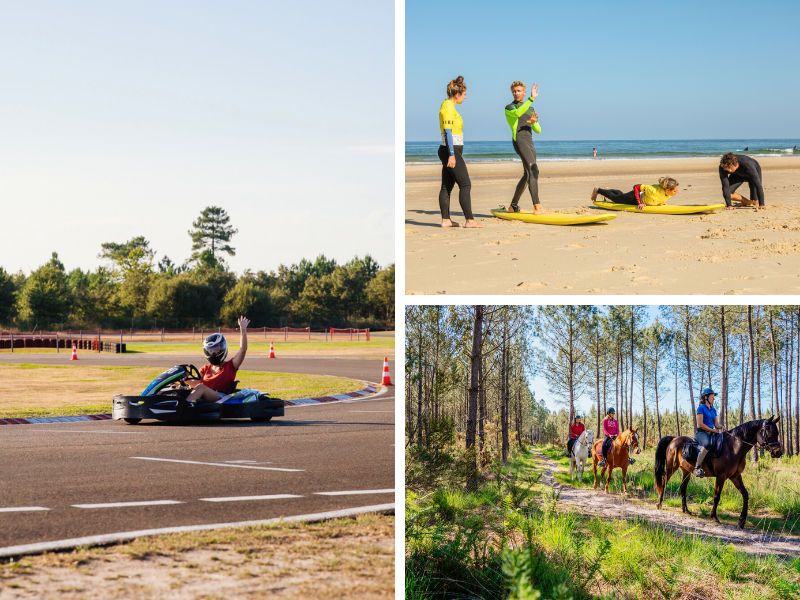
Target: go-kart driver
219	375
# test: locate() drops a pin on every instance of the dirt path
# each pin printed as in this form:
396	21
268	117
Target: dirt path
614	505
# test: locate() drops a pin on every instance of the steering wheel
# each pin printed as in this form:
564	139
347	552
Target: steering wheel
193	373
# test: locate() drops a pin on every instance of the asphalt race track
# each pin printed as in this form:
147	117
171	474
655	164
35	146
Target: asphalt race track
69	480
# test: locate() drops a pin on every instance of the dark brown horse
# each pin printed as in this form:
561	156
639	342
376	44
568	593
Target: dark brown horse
617	457
728	465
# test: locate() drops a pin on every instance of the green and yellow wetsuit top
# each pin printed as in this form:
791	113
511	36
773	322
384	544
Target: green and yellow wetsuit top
451	126
653	195
518	115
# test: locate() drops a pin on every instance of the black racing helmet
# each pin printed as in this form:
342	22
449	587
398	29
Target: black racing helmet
215	348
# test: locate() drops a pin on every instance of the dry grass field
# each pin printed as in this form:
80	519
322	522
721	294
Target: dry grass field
31	390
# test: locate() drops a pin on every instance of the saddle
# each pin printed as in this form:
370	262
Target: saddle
692	448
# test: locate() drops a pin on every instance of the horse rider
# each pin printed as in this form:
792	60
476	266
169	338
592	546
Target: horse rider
707	424
611	431
575	431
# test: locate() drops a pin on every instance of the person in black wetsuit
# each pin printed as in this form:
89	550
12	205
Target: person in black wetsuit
523	120
736	169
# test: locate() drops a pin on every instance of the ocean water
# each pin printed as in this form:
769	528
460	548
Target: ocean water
426	152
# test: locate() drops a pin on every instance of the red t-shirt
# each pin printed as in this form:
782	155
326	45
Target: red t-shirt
576	431
222	380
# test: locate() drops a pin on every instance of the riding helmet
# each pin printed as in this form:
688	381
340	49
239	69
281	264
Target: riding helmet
611	410
215	348
707	392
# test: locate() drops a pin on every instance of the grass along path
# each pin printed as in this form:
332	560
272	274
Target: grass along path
342	558
615	506
30	390
772	485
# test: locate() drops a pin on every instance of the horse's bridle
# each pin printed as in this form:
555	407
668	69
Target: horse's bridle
759	444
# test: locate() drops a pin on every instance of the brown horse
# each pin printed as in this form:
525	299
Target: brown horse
729	465
617	456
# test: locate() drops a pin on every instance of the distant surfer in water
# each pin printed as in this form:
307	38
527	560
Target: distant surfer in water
523	120
746	149
594	152
454	169
641	195
736	169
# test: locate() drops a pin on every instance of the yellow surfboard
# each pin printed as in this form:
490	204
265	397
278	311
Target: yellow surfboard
551	219
672	209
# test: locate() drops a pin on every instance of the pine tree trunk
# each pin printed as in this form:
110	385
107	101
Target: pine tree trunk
475	376
724	368
752	371
689	371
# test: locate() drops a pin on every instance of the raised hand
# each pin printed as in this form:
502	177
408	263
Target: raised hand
534	91
243	322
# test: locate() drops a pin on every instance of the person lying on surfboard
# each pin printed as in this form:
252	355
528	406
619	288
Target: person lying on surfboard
641	195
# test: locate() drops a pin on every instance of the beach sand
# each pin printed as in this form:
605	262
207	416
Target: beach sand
727	252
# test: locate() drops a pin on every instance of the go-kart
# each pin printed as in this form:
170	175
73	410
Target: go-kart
165	400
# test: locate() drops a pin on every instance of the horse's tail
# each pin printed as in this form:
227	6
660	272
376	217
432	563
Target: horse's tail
661	460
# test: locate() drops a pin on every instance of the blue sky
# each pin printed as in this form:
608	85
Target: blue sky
620	70
538	384
120	119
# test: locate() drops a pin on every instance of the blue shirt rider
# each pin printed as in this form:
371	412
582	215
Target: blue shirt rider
707	424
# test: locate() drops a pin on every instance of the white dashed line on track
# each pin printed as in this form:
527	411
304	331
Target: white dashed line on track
23	508
354	492
215	464
240	498
124	504
88	431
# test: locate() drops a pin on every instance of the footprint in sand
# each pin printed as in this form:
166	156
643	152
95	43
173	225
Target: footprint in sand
528	286
408	231
594	291
498	243
576	245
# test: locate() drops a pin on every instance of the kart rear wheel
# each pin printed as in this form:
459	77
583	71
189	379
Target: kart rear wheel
132	421
260	419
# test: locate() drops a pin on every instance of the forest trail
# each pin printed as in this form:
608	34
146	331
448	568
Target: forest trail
593	502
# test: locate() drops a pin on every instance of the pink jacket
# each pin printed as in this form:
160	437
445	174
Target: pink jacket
610	427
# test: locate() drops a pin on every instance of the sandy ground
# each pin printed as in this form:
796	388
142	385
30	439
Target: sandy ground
728	252
337	559
616	506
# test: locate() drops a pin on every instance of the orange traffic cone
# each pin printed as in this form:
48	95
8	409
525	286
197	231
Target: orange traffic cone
386	379
271	350
74	352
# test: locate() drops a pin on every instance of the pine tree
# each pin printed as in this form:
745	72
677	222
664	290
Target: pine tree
211	231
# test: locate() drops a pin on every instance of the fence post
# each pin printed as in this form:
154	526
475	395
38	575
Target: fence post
56	343
99	342
12	342
326	334
309	329
285	334
265	333
162	334
120	339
